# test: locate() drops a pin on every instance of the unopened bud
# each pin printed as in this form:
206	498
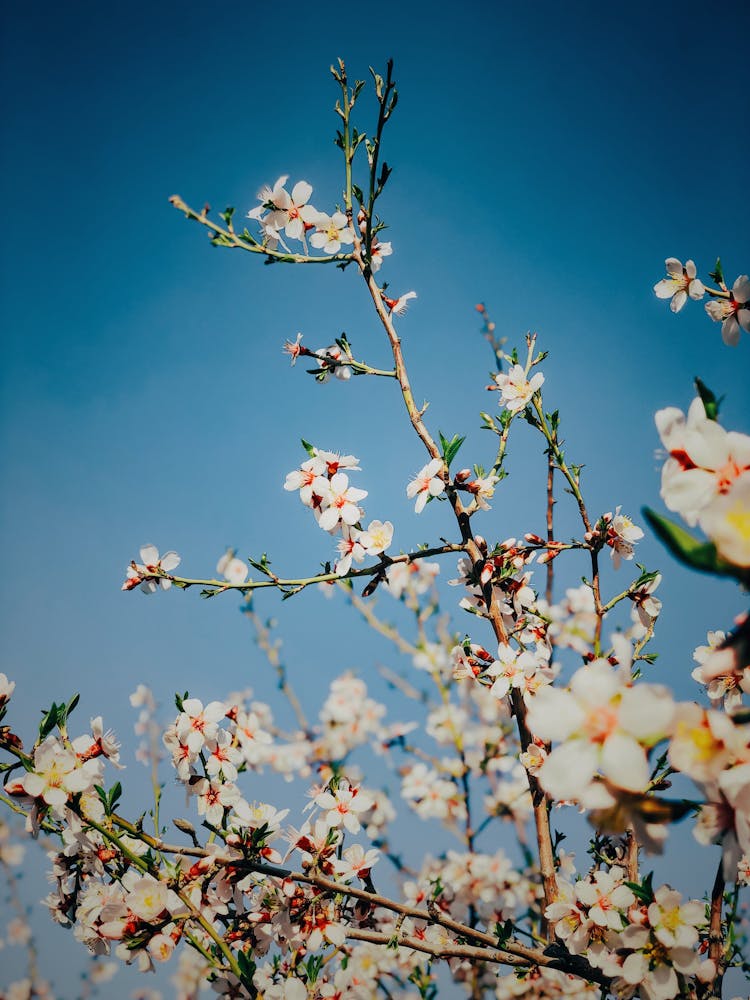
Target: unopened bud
462	476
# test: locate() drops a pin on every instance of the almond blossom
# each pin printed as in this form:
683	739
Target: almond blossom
733	313
233	570
331	232
340	501
681	283
621	536
426	484
515	388
704	459
726	521
605	726
149	575
343	805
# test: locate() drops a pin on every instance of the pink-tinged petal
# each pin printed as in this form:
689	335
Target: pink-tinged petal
741	289
568	770
646	712
554	714
55	796
690	269
169	561
421	501
707	446
666	288
339	220
739	447
32	784
332	247
730	331
670	422
696	289
301	193
149	555
436	487
674	267
743	317
596	684
687	493
624	763
679	300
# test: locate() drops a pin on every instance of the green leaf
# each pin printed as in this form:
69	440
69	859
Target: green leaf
710	403
699	555
309	448
450	448
717	274
227	214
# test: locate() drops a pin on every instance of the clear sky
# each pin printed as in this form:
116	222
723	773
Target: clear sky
547	158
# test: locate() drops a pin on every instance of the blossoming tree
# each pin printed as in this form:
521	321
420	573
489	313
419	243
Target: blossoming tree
545	701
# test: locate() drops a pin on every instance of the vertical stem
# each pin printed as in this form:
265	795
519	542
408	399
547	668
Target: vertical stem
715	934
550	525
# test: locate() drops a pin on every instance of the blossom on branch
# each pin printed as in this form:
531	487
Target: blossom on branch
681	283
733	313
426	484
515	388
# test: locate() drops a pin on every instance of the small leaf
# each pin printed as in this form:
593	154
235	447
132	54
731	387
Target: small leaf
710	403
310	449
227	214
717	274
450	448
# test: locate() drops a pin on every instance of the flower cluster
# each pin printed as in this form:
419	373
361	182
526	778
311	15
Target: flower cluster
325	489
291	214
731	308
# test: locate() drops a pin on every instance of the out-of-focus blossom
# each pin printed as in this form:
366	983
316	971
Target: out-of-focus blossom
726	521
704	459
231	568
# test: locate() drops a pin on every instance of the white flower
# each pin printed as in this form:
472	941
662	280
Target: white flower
427	483
603	725
148	574
232	569
621	536
704	459
332	231
680	283
734	312
377	538
726	521
515	389
377	252
340	500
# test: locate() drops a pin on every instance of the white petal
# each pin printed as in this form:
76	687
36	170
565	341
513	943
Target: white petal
149	555
301	193
624	763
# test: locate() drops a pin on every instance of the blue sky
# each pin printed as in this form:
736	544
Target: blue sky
547	160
